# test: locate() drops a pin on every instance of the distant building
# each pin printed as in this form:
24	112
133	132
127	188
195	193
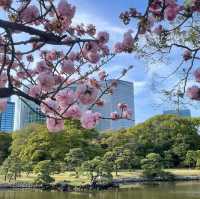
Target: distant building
123	93
7	117
183	112
27	112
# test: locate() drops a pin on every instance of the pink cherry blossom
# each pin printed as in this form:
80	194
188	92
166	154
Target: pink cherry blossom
65	98
66	9
103	37
21	74
42	67
3	104
58	79
91	30
90	47
3	79
86	93
73	111
118	48
114	115
100	102
194	92
49	107
29	14
30	58
51	56
102	75
5	3
68	67
171	11
197	74
46	81
128	40
93	57
187	55
105	50
35	91
55	125
127	114
89	119
72	56
122	106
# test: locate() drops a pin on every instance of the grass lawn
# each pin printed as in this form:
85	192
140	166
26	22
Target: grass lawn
83	179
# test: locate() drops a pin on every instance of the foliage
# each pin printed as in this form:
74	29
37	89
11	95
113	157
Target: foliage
119	158
191	158
44	169
97	169
11	168
151	165
38	144
43	178
168	135
74	159
5	143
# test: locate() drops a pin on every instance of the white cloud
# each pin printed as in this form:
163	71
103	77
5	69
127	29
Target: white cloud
139	87
101	24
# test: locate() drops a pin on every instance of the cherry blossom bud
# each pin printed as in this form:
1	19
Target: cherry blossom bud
103	37
114	116
194	92
102	75
197	74
187	55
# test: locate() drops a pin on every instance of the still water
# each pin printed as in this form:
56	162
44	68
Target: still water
184	190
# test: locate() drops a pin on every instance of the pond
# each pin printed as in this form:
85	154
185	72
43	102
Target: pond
180	190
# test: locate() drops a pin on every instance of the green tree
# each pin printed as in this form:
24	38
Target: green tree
119	157
74	159
167	133
5	143
34	143
44	169
11	168
97	168
191	158
151	165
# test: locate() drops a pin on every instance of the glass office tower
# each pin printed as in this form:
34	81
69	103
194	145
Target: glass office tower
7	117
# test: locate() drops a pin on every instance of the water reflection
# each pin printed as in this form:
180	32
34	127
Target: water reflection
181	190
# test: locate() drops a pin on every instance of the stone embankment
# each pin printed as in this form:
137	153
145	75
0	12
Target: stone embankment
64	186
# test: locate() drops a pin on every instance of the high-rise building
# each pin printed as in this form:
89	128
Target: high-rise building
182	112
7	117
124	93
27	112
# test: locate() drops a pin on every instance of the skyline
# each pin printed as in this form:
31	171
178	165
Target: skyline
106	17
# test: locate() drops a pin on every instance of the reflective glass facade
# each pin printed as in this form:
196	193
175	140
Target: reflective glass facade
7	118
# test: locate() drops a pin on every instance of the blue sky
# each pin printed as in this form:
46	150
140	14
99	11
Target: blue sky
105	15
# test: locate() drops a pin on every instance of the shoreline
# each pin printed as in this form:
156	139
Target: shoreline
116	183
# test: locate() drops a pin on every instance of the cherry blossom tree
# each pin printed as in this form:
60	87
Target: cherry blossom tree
43	54
169	28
